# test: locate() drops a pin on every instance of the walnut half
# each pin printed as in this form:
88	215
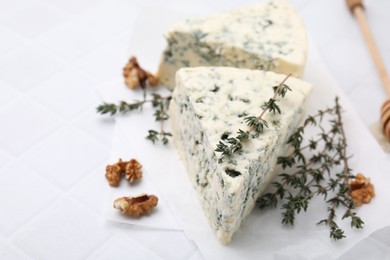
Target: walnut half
136	76
136	206
131	169
113	174
361	190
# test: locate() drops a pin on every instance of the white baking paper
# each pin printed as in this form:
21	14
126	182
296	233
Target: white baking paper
262	235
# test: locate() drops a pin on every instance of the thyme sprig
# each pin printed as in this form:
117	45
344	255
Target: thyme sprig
317	168
160	105
256	124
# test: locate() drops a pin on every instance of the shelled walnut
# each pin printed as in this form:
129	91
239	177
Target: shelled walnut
131	169
136	206
136	76
113	174
361	190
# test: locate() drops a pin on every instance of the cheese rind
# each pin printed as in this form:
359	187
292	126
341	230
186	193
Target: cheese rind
267	36
210	103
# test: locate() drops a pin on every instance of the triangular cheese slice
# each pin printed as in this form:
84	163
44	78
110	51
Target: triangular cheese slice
267	36
210	104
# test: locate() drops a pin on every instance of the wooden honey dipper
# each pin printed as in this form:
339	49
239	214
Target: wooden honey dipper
357	9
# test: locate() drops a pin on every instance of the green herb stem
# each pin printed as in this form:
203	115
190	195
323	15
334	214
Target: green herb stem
160	105
317	174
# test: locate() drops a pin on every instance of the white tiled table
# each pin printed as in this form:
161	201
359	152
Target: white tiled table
53	145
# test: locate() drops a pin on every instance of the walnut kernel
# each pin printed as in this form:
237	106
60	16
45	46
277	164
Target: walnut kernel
153	80
136	76
136	206
361	190
113	174
131	169
132	80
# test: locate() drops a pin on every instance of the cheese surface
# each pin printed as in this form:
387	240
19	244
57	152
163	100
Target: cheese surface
210	104
267	36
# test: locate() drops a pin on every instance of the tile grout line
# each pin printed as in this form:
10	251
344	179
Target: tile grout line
19	250
86	177
58	119
88	255
64	194
11	237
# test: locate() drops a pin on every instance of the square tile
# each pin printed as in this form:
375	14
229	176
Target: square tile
67	93
73	155
367	102
95	184
23	124
10	6
369	2
7	94
35	19
4	159
194	8
72	39
368	248
75	6
342	55
8	251
28	67
151	237
66	231
383	235
324	29
105	63
96	125
9	39
377	16
114	17
122	247
197	255
299	3
23	194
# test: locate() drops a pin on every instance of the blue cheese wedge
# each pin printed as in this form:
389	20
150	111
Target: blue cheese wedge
267	36
210	104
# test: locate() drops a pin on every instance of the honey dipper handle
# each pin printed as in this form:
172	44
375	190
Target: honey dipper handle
356	7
